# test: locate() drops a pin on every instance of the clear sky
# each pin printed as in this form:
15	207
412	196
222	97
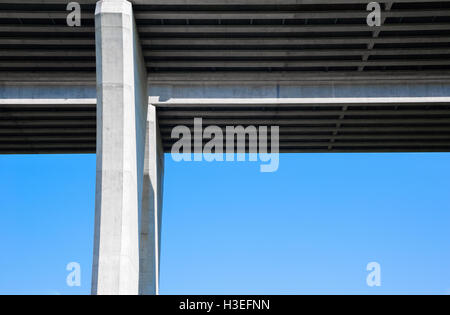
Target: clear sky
311	227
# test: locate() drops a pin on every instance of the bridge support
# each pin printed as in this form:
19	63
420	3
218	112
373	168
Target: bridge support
151	216
129	161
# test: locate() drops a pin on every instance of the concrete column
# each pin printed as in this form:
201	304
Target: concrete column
122	103
151	215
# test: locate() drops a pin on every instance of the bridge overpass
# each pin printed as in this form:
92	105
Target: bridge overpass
133	70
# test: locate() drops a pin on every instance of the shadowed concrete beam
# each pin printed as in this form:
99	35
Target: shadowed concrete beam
151	215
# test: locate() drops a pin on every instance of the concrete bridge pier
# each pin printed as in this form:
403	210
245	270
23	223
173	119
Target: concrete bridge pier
129	160
151	214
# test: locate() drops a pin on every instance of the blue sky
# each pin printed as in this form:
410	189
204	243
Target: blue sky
311	227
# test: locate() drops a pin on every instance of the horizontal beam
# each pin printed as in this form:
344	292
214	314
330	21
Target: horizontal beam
283	64
20	139
261	15
226	29
312	130
50	102
291	113
356	146
253	78
47	53
198	102
411	149
233	64
287	150
43	146
35	138
56	113
187	53
296	77
298	122
274	30
183	53
39	15
233	15
40	150
291	41
324	101
252	2
220	2
16	114
239	101
47	41
48	123
366	144
33	28
25	2
287	138
234	41
47	131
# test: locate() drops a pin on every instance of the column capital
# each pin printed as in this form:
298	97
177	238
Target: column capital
114	6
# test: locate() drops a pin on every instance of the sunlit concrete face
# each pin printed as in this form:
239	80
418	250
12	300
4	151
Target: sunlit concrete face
130	161
116	244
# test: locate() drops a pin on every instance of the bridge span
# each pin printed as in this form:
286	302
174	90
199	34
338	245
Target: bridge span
133	70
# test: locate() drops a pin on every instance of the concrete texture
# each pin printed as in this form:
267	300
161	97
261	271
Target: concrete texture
299	39
348	109
121	115
151	215
405	116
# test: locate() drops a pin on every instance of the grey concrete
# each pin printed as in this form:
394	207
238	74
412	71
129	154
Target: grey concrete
173	32
121	124
354	117
151	215
266	93
348	109
52	92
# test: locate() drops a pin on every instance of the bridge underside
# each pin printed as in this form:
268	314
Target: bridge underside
118	86
182	37
319	118
312	67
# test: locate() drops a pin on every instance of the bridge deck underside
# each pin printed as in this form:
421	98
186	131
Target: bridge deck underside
355	127
241	35
265	38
